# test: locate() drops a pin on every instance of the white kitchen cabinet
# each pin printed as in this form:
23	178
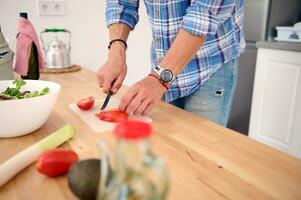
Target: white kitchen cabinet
276	106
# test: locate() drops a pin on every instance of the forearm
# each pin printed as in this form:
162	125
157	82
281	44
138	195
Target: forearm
118	31
112	73
182	50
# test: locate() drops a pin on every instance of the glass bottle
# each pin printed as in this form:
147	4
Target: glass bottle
137	173
33	63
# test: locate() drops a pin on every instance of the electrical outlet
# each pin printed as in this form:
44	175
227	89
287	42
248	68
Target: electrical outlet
51	7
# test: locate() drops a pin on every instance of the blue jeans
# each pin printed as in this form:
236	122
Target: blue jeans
213	100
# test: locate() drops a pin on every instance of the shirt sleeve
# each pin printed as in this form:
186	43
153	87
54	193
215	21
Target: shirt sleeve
203	17
125	11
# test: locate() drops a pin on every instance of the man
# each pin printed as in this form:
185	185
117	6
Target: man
195	50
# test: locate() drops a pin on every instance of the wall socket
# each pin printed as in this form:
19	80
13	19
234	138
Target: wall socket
51	7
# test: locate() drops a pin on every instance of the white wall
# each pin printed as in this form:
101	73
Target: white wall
86	21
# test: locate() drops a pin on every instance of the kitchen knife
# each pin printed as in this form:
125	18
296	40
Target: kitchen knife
105	103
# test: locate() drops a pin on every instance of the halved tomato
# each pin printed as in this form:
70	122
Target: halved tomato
113	115
86	103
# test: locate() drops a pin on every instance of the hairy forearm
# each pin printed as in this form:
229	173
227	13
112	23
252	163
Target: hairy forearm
182	50
118	31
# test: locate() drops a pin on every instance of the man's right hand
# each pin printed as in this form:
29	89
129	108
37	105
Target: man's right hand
111	74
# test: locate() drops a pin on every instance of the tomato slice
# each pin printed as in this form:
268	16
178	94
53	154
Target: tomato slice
56	162
113	115
86	103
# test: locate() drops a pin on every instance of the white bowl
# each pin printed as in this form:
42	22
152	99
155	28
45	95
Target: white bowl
23	116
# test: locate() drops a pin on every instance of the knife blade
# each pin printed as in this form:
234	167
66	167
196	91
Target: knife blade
105	103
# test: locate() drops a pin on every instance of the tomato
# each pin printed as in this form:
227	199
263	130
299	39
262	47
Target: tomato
56	162
86	103
113	115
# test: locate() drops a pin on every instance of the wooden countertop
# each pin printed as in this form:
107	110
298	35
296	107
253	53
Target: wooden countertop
205	161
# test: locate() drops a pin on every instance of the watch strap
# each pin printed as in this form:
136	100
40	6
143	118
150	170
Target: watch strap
159	69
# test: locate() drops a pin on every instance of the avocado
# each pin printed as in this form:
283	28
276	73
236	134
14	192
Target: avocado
83	179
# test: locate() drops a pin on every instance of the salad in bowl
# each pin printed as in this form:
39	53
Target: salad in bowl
25	105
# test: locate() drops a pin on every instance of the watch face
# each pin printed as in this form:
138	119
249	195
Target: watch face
166	75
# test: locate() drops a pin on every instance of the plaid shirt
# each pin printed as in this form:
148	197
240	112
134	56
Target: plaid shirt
220	20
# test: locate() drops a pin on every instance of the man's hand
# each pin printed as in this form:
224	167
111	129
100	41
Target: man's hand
143	96
111	75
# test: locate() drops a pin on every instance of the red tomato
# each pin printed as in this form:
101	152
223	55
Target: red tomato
86	103
112	115
56	162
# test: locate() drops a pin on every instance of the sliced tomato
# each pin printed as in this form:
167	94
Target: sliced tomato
86	103
113	115
56	162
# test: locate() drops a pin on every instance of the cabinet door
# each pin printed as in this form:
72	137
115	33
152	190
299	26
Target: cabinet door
276	105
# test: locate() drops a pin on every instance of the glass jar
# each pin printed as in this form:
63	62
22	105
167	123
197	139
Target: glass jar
136	172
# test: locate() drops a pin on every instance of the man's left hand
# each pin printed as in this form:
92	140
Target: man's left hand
143	96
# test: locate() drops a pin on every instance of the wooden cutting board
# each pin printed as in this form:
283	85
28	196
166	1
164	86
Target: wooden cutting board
95	123
72	68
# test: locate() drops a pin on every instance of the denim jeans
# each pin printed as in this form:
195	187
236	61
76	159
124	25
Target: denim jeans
213	100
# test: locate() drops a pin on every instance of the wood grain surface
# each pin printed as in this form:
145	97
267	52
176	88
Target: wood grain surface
205	161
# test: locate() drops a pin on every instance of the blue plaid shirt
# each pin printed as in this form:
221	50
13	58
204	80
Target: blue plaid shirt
220	20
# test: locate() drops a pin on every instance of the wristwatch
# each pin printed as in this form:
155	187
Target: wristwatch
166	75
